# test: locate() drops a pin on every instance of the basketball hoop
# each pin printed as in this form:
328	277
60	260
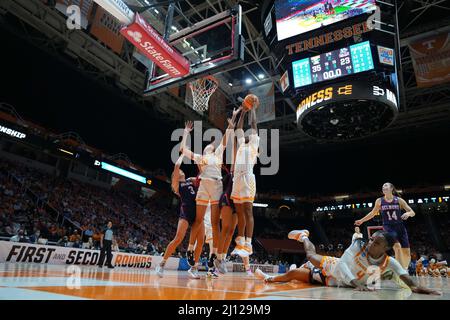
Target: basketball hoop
202	89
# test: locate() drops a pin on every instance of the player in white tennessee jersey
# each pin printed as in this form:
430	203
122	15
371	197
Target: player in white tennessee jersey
357	234
210	188
244	184
361	266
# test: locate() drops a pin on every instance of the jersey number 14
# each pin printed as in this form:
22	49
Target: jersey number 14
391	217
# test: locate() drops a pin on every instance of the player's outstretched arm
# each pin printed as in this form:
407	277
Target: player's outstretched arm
183	148
371	214
176	174
416	288
240	125
231	125
409	212
254	122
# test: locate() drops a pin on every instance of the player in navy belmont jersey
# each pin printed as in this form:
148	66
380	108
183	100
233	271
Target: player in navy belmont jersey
186	189
390	207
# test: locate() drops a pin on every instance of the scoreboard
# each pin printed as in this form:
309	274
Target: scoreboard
334	64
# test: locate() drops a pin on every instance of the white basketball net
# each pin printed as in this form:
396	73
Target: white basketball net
202	89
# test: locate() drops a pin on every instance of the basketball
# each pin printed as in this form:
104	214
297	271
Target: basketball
250	101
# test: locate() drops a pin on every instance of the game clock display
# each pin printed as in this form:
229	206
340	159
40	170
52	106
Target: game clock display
334	64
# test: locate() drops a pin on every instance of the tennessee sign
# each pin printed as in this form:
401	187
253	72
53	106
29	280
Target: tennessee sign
328	38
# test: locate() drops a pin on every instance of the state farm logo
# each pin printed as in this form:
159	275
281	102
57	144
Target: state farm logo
136	35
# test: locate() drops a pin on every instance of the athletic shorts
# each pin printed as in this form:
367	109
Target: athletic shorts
328	267
225	199
244	188
188	214
209	191
399	232
315	275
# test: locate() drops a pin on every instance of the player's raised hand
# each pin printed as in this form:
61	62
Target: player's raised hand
358	222
188	126
231	123
236	111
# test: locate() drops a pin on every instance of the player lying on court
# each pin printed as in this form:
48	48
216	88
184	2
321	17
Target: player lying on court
186	190
356	268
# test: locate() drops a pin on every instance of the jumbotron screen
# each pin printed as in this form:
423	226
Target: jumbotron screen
334	64
297	17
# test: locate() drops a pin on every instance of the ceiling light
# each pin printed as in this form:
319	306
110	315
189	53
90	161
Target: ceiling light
248	81
334	121
261	76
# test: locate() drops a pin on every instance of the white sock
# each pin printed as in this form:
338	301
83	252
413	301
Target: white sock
163	262
211	249
303	238
246	261
248	240
240	240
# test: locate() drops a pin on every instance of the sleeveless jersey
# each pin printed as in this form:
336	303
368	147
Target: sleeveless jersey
391	212
188	192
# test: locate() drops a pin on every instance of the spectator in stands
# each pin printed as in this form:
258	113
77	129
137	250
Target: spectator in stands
34	238
9	230
87	234
115	246
53	232
88	245
77	243
151	249
20	237
63	242
75	237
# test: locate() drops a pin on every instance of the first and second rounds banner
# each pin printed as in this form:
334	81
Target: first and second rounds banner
15	252
43	254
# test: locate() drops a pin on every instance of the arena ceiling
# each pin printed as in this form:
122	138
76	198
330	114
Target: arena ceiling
419	107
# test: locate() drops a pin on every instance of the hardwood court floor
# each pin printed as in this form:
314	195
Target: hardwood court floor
54	282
